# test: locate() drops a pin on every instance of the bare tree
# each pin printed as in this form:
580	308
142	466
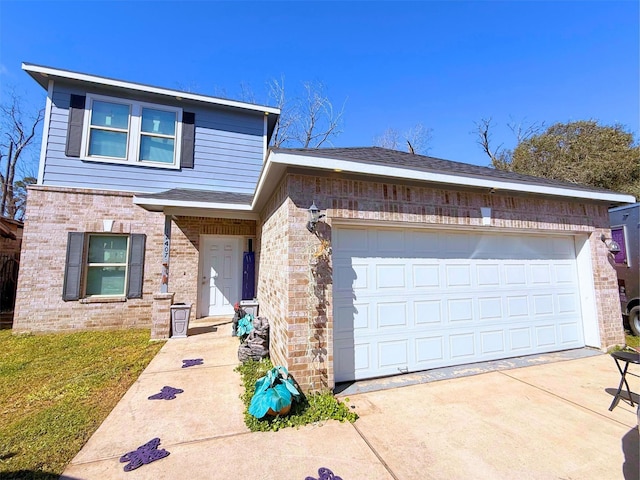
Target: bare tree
283	131
309	120
390	139
17	134
417	139
501	157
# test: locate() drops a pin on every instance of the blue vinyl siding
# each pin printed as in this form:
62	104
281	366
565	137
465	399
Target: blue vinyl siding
228	153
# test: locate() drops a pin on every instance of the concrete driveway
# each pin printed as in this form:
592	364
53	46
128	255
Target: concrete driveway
547	421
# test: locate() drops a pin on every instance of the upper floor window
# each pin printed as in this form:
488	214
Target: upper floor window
126	131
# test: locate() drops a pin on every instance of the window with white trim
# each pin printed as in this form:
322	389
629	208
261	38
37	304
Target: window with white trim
103	266
106	267
121	131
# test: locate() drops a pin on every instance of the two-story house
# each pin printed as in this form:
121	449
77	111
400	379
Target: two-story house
150	196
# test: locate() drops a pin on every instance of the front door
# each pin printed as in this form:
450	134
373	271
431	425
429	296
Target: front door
220	278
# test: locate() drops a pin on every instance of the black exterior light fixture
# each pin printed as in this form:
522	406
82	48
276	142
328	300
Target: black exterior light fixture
611	244
314	217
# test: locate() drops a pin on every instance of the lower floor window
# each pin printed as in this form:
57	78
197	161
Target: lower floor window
104	265
107	264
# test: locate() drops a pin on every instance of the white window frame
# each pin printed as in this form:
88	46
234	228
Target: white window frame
134	133
88	264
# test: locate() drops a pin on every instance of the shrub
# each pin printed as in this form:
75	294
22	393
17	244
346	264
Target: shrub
312	408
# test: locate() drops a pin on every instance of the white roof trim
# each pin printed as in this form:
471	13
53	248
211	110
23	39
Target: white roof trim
189	204
623	207
55	72
327	163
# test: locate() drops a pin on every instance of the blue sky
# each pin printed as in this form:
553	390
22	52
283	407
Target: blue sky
445	64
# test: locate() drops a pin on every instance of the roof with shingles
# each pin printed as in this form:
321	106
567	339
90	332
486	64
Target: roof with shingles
183	194
394	158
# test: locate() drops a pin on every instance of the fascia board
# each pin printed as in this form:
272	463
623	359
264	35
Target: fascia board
624	207
83	77
191	212
158	202
327	163
269	176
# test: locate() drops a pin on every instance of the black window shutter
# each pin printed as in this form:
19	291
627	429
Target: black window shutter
188	139
136	265
74	128
73	266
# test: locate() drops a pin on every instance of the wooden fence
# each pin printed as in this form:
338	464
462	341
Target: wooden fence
8	281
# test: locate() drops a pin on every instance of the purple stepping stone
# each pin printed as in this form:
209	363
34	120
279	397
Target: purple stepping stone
324	474
143	455
166	393
192	362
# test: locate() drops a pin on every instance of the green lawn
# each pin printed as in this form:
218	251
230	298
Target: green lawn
56	389
632	341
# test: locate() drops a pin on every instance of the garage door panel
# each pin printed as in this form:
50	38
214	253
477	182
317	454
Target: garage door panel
563	247
425	244
541	274
543	305
427	312
492	342
426	276
390	241
460	310
473	298
458	275
568	303
515	274
490	308
488	275
393	354
391	276
564	273
353	241
517	306
545	335
429	350
362	357
520	339
569	333
348	278
391	315
462	345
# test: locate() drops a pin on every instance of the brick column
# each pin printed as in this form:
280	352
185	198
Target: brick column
161	315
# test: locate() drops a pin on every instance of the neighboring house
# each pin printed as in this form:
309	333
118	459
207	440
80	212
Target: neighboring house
148	196
10	244
625	232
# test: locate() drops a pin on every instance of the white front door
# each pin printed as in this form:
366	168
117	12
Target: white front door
220	276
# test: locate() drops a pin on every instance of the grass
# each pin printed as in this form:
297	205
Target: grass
56	389
632	340
310	408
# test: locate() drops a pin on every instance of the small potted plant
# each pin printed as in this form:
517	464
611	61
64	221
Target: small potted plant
274	394
245	325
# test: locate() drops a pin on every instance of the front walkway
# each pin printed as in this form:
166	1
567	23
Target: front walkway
540	422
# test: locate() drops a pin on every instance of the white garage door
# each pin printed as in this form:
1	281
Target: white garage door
409	300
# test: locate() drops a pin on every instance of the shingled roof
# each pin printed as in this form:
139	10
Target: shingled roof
183	194
422	163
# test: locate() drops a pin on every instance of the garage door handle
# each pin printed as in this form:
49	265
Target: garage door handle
403	370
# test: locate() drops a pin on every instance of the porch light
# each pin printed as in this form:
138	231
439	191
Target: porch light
611	244
314	217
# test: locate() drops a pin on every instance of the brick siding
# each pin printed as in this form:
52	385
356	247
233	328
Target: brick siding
300	308
52	212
